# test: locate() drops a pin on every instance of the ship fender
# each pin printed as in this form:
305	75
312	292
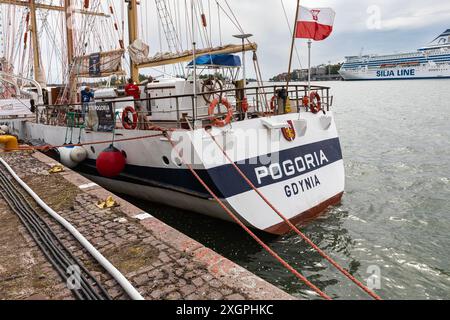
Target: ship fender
8	142
111	162
78	154
65	157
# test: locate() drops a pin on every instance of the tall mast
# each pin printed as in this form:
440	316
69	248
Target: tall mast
72	85
133	35
38	76
69	34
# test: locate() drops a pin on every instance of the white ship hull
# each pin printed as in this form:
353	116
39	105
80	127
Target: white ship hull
398	73
301	178
430	62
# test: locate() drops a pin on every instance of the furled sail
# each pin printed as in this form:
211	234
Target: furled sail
101	64
161	59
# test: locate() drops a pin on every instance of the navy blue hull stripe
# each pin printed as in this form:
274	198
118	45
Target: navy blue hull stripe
227	181
230	183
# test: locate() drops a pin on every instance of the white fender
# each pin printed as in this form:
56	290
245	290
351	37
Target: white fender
64	153
78	154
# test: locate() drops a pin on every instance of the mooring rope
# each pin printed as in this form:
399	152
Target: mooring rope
294	228
243	226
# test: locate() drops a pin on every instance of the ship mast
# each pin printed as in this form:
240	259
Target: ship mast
133	35
72	85
38	76
68	9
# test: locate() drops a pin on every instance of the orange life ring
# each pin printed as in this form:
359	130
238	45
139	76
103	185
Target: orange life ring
315	104
126	121
220	122
272	103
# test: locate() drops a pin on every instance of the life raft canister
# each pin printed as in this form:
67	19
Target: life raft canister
129	124
216	121
315	104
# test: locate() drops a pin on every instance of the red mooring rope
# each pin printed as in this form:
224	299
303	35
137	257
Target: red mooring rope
243	226
295	229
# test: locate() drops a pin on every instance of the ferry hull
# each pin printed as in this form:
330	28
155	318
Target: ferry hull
301	177
397	73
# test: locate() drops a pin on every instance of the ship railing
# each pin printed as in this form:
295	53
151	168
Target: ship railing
258	99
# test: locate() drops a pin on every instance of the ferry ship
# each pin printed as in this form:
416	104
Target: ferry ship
429	62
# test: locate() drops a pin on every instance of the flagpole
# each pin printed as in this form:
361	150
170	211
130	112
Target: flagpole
292	47
309	66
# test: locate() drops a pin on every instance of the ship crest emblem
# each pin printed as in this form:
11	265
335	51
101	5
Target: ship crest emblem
315	14
289	132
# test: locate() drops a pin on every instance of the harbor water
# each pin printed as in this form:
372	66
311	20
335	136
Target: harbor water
394	217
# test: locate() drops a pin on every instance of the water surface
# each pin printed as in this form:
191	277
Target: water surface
395	214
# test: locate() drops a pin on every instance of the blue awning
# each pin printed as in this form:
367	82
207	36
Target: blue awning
217	60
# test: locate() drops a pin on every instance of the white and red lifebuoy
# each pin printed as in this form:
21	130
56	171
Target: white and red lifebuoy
272	103
129	124
315	104
215	120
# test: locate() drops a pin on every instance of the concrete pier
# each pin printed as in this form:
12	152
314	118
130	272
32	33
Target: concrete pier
159	261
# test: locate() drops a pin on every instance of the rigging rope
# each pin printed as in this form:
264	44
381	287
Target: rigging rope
243	226
293	227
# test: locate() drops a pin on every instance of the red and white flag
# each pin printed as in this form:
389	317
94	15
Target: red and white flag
315	24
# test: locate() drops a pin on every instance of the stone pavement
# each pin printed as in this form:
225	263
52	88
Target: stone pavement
160	262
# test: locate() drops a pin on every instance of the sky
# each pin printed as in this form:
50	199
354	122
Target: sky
368	26
361	26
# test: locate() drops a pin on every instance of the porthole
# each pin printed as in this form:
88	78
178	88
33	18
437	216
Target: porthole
92	149
178	162
165	160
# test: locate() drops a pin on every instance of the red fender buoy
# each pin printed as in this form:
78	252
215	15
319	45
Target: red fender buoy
110	162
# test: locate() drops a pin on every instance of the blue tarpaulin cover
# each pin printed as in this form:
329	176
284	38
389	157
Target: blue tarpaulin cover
219	60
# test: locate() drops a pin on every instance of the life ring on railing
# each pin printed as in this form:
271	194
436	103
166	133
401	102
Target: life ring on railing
129	124
272	102
315	105
216	121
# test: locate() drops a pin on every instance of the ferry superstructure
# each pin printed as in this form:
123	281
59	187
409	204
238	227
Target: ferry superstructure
431	61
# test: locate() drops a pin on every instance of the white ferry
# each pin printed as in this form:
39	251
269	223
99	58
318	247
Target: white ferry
429	62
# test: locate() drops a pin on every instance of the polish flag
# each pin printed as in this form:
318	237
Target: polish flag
315	24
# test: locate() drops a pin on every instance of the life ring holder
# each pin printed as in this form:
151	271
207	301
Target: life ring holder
126	120
315	104
215	120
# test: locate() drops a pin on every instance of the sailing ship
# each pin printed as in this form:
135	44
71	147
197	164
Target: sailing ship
203	119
